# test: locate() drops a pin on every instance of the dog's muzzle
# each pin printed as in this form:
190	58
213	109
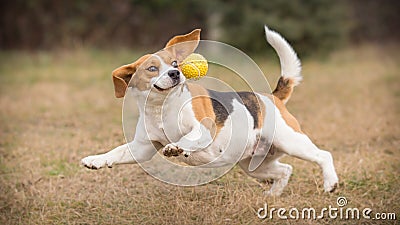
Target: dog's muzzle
175	77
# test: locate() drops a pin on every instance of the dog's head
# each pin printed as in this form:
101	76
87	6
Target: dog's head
159	70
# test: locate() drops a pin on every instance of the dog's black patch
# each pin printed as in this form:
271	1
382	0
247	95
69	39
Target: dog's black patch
250	100
222	104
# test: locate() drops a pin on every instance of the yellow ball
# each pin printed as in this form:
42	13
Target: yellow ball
194	66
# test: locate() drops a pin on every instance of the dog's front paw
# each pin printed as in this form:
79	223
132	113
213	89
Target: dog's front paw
172	150
95	162
331	183
272	193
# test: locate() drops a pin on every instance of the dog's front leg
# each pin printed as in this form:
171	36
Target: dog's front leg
198	138
133	152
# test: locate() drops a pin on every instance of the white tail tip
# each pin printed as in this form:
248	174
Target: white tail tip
290	63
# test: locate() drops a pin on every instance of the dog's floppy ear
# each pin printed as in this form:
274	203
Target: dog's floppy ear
183	45
122	75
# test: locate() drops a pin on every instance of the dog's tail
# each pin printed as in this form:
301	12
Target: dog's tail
290	65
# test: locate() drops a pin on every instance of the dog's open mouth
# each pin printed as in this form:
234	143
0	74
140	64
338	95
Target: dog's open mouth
164	89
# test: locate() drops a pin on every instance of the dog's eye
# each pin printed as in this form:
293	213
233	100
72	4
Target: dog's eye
174	64
152	69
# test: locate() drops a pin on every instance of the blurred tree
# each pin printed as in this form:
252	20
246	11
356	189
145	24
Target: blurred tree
375	20
310	25
103	23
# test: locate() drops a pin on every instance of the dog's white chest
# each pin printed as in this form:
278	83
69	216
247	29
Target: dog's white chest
169	123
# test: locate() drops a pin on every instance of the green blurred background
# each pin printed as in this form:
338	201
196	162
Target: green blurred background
313	26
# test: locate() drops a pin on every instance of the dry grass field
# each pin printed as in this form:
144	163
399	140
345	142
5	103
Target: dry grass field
59	107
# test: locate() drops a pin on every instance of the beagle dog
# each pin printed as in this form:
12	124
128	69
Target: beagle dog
206	127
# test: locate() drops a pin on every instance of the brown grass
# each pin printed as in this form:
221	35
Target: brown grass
59	107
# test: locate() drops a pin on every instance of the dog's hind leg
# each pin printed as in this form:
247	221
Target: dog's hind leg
300	146
271	168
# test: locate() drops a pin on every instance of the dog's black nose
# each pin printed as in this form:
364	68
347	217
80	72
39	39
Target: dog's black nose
174	74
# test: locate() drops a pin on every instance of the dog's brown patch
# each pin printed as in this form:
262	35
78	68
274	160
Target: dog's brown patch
284	89
289	118
203	108
261	112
